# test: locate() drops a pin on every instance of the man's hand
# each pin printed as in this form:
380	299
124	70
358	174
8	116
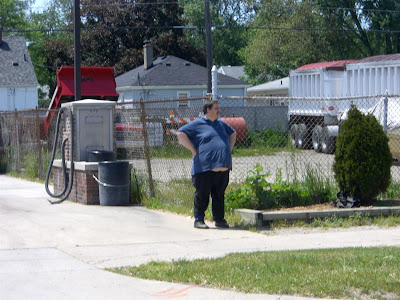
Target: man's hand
232	140
185	141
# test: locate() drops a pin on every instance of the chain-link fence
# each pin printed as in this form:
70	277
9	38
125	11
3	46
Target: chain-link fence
291	139
22	147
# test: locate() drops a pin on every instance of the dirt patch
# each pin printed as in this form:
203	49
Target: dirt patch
386	202
329	205
323	206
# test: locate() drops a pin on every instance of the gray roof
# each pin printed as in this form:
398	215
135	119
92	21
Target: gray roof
16	68
171	71
276	85
233	71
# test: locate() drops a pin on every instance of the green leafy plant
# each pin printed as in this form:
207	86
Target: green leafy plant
266	138
362	158
253	194
137	187
257	193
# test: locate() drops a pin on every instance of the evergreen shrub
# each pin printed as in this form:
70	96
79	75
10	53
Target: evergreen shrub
362	158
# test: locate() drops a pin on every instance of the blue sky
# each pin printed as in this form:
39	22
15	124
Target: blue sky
39	4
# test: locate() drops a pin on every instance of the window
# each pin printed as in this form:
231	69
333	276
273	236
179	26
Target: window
121	97
183	95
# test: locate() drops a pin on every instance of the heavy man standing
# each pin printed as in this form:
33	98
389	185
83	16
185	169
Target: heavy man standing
211	142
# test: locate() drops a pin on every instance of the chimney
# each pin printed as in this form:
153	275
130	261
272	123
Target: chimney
148	55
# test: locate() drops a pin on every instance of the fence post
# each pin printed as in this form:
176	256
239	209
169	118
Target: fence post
147	148
385	110
17	141
39	145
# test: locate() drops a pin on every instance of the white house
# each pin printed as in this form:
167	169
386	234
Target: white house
18	82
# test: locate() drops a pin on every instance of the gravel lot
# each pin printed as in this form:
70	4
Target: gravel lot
288	164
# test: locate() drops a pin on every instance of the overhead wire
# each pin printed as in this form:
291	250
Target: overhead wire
183	27
378	10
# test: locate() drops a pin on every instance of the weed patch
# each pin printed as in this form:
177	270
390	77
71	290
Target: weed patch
258	193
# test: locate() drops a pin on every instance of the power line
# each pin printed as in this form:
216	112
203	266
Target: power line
275	6
178	27
129	4
103	5
337	8
361	9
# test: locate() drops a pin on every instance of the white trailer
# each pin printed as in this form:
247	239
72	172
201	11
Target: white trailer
321	93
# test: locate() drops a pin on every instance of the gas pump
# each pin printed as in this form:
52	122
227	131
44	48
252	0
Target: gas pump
90	126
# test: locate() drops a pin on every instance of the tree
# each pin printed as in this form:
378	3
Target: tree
12	14
383	15
50	40
286	43
311	31
227	17
117	29
112	34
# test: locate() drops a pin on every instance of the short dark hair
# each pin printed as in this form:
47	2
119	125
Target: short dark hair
209	106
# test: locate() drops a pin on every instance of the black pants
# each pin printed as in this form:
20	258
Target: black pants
207	183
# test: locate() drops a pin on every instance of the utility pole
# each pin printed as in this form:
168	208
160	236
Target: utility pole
77	49
208	43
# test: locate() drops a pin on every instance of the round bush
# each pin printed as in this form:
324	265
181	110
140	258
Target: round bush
362	158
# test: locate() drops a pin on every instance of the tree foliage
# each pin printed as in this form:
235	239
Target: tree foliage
386	43
285	45
49	44
113	33
228	34
286	33
12	14
309	31
362	158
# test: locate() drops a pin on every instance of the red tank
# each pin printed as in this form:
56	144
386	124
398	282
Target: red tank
239	124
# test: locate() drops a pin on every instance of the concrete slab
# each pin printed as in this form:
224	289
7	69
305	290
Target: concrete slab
50	274
252	217
57	251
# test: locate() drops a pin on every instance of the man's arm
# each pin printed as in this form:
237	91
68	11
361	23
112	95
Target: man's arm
185	141
232	140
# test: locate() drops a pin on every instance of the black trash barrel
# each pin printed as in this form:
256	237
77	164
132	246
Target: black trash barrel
100	155
114	182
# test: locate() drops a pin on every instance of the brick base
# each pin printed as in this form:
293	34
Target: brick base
85	189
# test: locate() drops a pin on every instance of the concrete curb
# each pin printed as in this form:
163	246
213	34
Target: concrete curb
258	218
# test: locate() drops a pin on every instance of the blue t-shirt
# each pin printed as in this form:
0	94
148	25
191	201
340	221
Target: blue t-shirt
211	139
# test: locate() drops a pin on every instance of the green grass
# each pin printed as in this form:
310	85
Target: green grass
258	151
29	167
170	151
177	196
330	273
392	192
338	222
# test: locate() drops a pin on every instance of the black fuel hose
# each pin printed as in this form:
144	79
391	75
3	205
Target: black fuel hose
67	189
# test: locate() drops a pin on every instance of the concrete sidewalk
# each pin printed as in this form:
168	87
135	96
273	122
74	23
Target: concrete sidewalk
58	251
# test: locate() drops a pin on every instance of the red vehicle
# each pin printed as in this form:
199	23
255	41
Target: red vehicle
97	83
